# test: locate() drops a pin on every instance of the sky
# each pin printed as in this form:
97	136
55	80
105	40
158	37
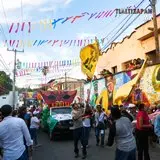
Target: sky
36	10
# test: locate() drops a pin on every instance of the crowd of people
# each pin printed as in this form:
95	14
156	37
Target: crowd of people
18	132
129	127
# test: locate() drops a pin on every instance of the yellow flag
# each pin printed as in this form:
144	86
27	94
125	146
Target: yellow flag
124	91
89	57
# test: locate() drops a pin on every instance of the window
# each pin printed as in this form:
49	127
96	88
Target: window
152	57
114	69
125	65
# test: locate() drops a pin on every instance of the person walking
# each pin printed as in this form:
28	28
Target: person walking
100	125
25	116
78	132
121	131
87	123
12	131
35	123
157	127
143	128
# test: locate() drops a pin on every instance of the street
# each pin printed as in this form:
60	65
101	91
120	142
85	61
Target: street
62	149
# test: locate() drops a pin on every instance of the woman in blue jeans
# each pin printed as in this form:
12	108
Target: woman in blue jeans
87	123
121	131
100	125
35	123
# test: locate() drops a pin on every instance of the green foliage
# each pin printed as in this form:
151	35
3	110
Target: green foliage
5	83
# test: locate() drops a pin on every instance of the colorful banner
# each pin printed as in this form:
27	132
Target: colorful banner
124	91
50	24
89	57
51	43
103	91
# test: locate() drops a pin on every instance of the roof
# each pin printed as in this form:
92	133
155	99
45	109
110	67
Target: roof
52	80
128	36
115	43
158	15
68	79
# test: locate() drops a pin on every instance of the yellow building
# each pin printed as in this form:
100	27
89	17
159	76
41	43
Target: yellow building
141	42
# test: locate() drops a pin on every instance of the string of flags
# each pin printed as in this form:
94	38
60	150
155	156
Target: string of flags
50	64
52	43
26	72
26	68
50	24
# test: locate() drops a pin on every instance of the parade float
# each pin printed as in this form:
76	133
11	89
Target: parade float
56	115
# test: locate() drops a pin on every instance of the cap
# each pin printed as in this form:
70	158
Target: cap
35	112
131	105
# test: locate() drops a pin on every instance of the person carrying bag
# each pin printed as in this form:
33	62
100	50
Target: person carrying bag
100	126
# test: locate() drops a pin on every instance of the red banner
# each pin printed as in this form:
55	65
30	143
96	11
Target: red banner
58	98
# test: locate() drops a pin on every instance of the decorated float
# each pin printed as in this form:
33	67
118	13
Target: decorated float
56	115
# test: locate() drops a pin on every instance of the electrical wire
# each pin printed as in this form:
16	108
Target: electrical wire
5	38
121	21
4	63
22	22
5	16
106	46
128	17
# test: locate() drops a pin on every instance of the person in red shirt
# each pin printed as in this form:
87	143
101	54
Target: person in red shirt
143	127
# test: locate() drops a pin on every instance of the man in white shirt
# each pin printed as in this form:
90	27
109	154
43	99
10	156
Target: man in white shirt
12	132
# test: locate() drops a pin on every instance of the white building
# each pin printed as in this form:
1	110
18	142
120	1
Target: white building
8	99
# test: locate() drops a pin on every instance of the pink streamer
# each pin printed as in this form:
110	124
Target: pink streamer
17	28
29	30
22	28
11	27
17	43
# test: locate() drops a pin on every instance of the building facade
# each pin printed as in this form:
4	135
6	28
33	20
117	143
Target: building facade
140	43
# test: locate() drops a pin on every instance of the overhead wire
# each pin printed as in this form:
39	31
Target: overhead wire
5	16
5	37
22	22
107	45
127	17
4	63
112	21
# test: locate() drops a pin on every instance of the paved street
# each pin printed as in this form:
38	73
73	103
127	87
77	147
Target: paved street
63	150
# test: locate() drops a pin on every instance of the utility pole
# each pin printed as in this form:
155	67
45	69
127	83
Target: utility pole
153	5
14	76
65	81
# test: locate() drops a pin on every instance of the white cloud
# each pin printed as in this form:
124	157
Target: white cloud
47	9
13	8
68	1
55	5
85	35
14	4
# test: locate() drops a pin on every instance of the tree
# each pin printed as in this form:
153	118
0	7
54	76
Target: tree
5	83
